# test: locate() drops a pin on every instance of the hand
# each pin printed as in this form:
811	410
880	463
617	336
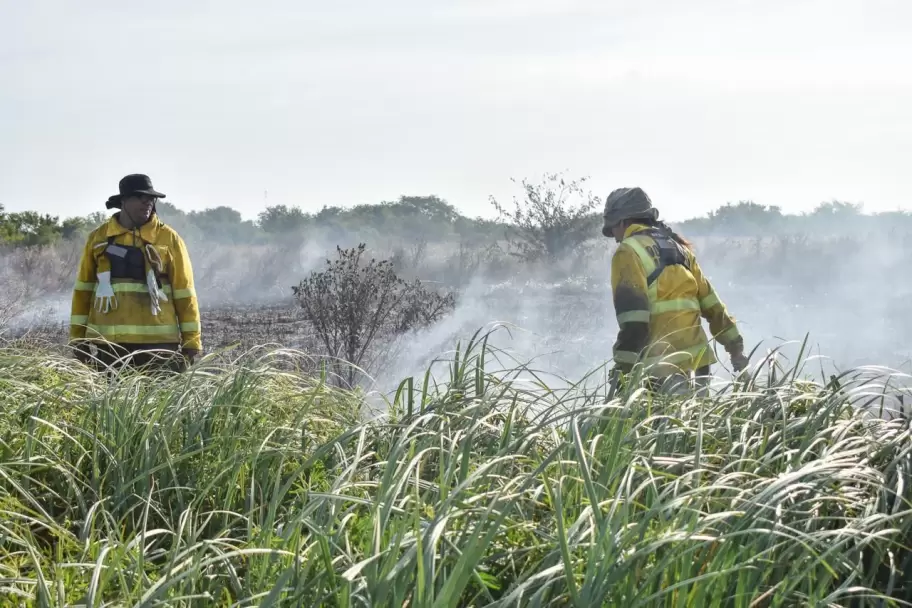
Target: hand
739	361
190	354
82	353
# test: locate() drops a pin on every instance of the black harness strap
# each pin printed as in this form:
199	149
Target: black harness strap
671	253
131	264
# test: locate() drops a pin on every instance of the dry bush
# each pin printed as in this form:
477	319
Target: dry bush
354	303
32	276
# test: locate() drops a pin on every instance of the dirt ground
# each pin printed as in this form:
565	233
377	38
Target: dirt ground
223	326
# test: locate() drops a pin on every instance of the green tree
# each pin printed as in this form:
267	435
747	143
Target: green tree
169	210
281	219
740	219
76	227
217	215
5	228
427	218
747	217
224	224
431	207
28	228
179	220
837	209
97	218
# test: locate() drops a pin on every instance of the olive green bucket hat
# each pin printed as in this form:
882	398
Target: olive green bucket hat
627	204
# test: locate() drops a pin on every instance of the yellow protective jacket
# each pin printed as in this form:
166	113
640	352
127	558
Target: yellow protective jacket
660	323
132	321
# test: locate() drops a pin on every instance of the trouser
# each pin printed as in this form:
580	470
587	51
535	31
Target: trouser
682	383
146	357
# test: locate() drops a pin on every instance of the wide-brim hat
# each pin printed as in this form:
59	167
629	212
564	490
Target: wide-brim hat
135	183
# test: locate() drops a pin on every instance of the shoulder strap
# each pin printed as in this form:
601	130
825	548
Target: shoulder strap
663	252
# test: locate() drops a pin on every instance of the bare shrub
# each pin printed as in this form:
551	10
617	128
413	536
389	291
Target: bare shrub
13	300
551	219
354	303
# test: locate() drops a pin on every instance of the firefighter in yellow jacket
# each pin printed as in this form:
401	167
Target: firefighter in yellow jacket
134	297
660	295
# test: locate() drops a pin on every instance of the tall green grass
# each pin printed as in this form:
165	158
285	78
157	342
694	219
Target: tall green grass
246	483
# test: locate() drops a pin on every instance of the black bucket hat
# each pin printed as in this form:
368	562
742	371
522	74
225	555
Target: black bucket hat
135	183
627	204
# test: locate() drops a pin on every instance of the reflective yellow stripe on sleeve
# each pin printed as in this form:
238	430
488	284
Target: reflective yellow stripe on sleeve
626	356
190	326
729	334
181	294
633	316
79	319
84	286
709	301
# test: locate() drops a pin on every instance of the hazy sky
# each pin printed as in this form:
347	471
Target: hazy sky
343	102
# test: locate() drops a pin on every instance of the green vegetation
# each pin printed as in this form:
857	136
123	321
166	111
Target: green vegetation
549	217
255	480
248	483
28	228
428	216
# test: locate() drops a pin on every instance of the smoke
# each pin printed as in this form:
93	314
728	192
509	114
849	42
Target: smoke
844	292
830	303
840	292
252	275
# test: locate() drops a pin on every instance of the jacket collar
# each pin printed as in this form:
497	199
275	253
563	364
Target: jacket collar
148	231
634	228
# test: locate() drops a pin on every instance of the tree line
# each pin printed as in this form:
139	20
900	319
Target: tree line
546	218
429	216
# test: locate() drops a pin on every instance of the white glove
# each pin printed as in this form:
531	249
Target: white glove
105	300
155	292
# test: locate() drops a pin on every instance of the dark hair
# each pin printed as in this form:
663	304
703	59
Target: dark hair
648	221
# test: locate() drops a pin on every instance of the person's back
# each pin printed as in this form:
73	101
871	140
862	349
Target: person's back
680	296
661	294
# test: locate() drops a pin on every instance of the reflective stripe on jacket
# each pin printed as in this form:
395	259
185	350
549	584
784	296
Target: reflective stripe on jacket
132	321
660	322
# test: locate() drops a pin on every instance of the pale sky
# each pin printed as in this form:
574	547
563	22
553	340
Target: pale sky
344	102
